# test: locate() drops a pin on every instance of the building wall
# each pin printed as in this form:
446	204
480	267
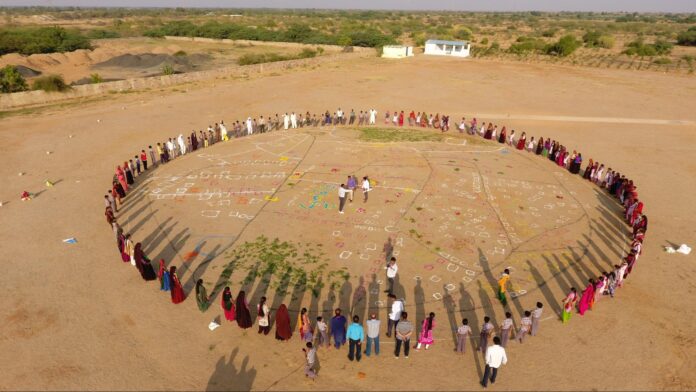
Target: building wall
433	49
397	52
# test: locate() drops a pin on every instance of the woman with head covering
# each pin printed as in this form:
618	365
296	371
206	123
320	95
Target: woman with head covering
243	314
122	248
587	297
503	135
121	177
143	263
129	174
282	319
201	296
178	294
129	249
163	276
228	304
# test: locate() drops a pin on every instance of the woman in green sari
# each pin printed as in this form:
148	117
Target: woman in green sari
202	296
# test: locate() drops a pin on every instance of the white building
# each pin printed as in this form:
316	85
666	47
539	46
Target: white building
397	51
447	48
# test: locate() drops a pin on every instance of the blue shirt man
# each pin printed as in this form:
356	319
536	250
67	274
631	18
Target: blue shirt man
355	336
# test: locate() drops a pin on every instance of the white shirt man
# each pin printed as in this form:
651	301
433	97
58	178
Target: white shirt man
373	116
395	313
392	269
339	114
286	121
365	188
341	198
293	120
182	144
495	357
250	127
223	131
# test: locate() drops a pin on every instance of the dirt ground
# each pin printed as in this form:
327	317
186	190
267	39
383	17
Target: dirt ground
76	317
124	58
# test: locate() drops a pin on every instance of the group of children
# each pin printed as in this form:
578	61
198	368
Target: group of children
317	334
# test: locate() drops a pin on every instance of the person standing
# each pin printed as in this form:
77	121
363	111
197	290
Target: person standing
392	269
311	360
352	184
365	188
397	308
262	316
351	119
293	120
495	357
373	116
355	336
177	292
587	297
202	298
506	329
282	320
502	286
568	305
486	330
426	335
372	334
305	327
110	201
153	159
143	157
338	328
536	318
463	333
404	330
243	313
322	332
341	198
228	305
525	326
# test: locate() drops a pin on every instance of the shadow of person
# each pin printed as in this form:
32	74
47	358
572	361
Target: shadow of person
373	295
486	303
359	304
419	301
388	250
544	287
467	309
227	377
449	304
344	297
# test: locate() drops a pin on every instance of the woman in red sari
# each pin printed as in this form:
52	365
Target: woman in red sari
228	304
489	132
121	178
436	121
587	298
282	319
411	118
424	120
522	142
401	119
178	294
243	313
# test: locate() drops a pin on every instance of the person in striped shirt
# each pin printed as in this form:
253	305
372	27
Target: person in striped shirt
525	326
506	329
536	318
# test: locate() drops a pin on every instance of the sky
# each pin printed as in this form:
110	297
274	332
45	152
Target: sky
460	5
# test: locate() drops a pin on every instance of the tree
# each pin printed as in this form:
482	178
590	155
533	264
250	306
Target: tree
688	37
11	81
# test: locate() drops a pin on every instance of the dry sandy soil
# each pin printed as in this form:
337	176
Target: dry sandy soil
123	58
76	317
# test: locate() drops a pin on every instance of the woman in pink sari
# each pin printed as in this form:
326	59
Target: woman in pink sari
426	335
587	298
121	178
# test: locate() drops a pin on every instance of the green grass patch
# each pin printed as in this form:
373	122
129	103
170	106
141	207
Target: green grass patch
399	135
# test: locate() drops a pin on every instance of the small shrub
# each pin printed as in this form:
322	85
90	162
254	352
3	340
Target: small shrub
595	39
51	83
95	78
526	45
549	33
11	81
662	61
565	46
688	37
640	48
484	41
167	69
102	34
180	53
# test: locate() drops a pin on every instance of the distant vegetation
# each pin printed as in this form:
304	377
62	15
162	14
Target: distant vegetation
41	40
688	37
300	33
564	47
639	48
51	83
11	81
258	58
370	134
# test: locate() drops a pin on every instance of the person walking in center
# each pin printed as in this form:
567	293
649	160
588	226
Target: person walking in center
463	333
322	333
243	313
372	334
397	308
392	269
355	336
202	298
341	198
495	357
502	286
404	330
352	185
426	335
338	328
536	318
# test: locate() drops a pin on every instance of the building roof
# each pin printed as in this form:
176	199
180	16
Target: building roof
444	42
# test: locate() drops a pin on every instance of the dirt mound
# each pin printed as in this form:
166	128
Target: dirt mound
27	72
142	61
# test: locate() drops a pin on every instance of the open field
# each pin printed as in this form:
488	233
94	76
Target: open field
76	317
